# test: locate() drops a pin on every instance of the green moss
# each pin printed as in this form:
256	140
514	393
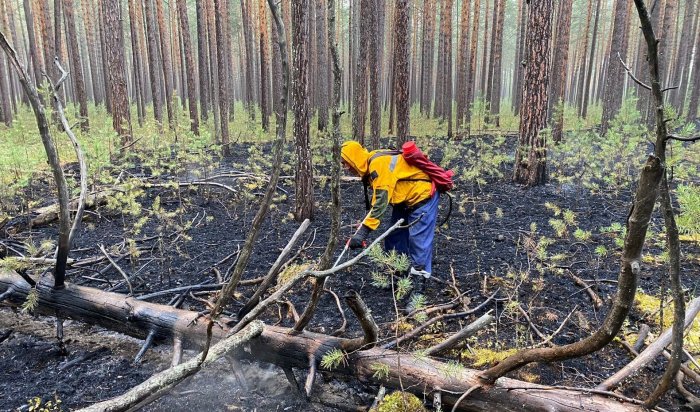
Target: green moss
649	306
485	357
400	402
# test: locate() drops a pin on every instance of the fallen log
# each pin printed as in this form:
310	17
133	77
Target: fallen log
279	346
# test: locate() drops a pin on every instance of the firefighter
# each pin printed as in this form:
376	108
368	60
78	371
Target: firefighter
413	198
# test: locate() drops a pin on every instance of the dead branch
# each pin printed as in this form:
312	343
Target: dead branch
692	401
597	301
343	326
118	268
176	185
418	329
271	275
158	384
651	352
683	139
469	330
548	341
641	337
631	75
369	326
531	324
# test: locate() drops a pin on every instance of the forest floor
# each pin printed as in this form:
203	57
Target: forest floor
524	243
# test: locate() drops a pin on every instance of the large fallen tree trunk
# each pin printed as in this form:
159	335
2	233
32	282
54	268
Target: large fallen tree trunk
282	347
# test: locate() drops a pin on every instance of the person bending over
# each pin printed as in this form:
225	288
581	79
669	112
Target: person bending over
413	198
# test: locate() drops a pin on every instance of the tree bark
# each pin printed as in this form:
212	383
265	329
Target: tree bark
359	107
190	69
220	13
154	62
203	59
531	154
589	68
5	79
136	57
428	55
264	65
471	69
167	62
683	58
304	199
462	65
114	47
518	72
559	70
497	57
278	346
613	92
374	64
322	50
695	93
401	82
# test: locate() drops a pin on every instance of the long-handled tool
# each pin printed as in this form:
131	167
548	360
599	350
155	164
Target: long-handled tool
347	246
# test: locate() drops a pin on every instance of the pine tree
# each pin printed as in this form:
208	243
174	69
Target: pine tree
304	204
531	154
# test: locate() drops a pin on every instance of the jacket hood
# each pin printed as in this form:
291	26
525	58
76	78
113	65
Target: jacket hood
356	156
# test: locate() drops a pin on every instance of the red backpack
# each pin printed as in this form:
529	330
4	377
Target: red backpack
440	178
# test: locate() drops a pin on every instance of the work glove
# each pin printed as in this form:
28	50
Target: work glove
358	239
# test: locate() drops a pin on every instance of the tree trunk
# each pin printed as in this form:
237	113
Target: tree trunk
136	57
47	38
426	85
246	11
401	71
462	64
359	107
589	72
518	72
189	61
154	62
5	79
220	13
531	154
485	52
581	79
496	58
278	346
203	59
167	63
304	203
374	64
114	47
471	68
323	88
615	78
446	75
695	93
559	70
76	67
683	59
264	65
213	68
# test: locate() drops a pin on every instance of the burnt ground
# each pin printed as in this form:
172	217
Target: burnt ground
499	237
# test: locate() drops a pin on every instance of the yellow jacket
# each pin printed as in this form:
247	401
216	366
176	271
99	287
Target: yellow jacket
393	180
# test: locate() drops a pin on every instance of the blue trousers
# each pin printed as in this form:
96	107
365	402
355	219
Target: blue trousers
417	240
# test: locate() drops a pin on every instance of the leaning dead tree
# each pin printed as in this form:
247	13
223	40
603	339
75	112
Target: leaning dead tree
279	346
64	226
